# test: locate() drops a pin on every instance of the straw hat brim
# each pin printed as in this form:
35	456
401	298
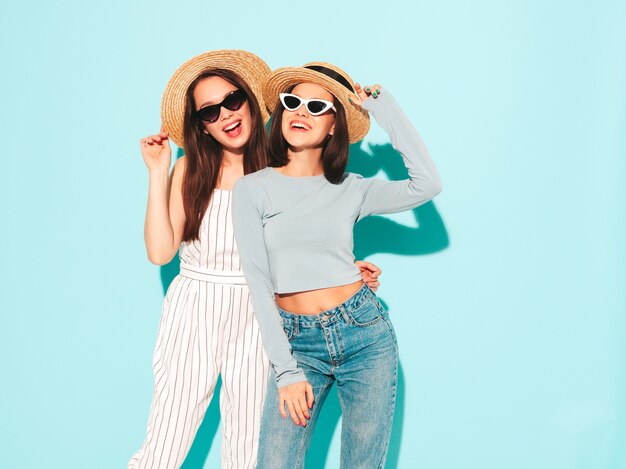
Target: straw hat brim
249	67
283	78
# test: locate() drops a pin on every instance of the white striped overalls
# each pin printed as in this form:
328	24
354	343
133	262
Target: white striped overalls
207	328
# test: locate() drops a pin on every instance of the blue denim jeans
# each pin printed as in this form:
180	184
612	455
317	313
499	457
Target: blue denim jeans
354	345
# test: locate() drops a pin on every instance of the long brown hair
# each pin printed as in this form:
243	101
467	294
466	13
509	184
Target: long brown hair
334	153
204	154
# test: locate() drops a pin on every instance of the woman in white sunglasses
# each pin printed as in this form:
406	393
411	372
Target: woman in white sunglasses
294	227
213	108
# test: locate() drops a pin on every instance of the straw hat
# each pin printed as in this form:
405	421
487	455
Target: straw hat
250	68
331	78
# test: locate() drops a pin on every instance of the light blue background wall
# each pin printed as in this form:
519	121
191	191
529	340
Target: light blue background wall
512	332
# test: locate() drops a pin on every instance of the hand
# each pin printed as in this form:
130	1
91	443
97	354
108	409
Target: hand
369	274
156	152
364	93
298	397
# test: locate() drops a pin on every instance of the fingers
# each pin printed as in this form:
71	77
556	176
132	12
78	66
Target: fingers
297	409
293	413
373	268
369	272
281	407
360	92
310	397
298	398
372	90
150	140
303	409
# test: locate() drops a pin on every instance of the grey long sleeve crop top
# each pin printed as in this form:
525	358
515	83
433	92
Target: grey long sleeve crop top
296	233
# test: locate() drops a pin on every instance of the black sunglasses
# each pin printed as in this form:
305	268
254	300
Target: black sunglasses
233	101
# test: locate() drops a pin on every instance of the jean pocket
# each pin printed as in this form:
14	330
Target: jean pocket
368	313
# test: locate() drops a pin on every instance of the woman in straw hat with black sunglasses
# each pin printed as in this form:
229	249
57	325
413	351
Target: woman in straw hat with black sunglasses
213	108
320	323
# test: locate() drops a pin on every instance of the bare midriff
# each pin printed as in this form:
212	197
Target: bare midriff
315	301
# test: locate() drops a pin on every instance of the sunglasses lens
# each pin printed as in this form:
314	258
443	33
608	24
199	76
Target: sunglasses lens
209	113
316	107
234	101
291	102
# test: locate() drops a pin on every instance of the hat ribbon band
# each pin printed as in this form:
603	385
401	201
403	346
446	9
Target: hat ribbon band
331	74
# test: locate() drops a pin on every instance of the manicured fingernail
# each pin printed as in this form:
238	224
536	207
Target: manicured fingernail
349	100
367	89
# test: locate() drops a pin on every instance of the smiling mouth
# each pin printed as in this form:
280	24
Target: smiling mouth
232	127
299	126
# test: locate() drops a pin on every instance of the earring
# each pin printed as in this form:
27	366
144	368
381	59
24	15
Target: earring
205	131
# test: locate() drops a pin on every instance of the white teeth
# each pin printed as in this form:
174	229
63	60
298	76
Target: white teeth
299	125
231	127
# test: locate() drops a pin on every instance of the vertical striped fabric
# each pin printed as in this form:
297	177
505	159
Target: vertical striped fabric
215	249
207	328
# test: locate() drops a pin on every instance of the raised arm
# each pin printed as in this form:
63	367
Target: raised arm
382	196
165	215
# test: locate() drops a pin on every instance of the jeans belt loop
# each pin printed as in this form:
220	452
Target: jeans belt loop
344	313
296	324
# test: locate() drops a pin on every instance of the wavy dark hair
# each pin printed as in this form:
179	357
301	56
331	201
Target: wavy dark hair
335	150
204	154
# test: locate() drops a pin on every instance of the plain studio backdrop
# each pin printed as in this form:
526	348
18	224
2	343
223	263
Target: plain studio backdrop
507	292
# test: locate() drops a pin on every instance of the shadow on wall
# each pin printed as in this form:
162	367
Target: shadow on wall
372	235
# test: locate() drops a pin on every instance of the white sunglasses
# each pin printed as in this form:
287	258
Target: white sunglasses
314	106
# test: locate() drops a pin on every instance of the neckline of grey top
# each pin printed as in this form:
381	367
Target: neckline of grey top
275	171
